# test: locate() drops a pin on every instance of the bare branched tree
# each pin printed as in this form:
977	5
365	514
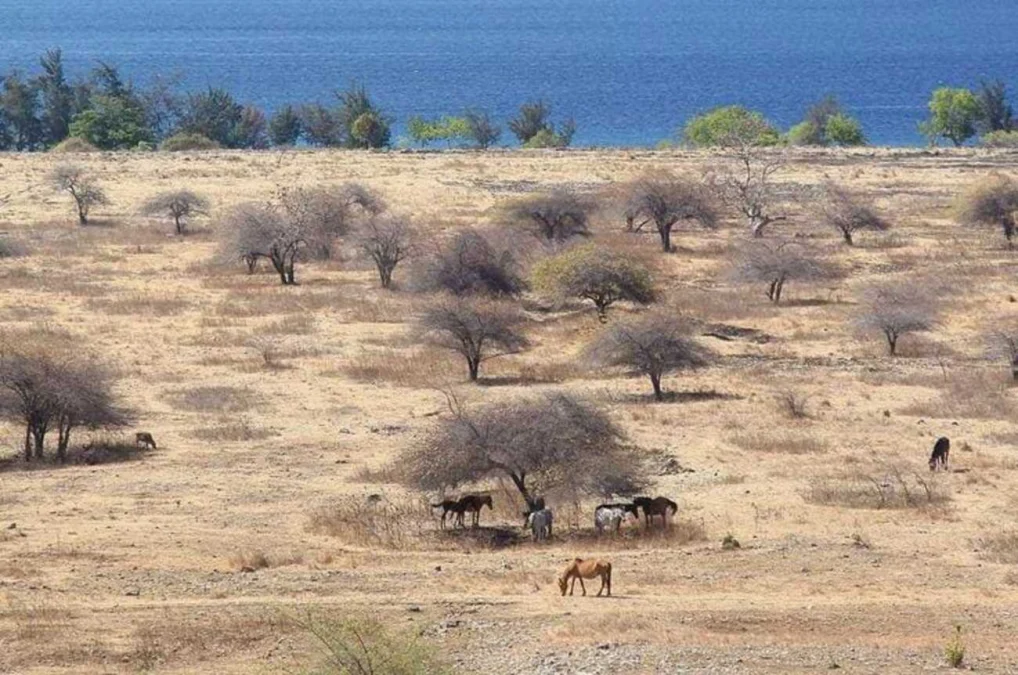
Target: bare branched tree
665	200
549	444
778	262
653	345
848	214
82	186
591	273
47	389
179	205
1003	344
745	182
388	241
477	330
553	217
252	231
992	201
898	309
470	264
327	213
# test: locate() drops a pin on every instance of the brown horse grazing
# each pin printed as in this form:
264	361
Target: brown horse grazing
658	506
472	504
586	569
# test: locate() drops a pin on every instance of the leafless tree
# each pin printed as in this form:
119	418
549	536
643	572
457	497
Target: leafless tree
52	389
550	444
388	241
553	217
477	330
665	200
82	186
1004	344
470	264
992	201
180	205
591	273
745	182
778	262
325	213
898	309
848	213
251	231
653	345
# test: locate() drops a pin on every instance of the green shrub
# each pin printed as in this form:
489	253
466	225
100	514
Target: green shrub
729	125
1000	139
184	142
844	130
954	651
73	144
363	646
600	275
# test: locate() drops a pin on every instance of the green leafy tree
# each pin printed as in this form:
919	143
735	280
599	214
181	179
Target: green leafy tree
448	129
826	124
481	129
213	114
112	123
534	129
953	115
321	126
19	106
844	130
251	130
286	126
995	113
57	98
363	124
600	275
728	126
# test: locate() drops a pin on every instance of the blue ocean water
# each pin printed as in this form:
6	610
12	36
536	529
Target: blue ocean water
628	71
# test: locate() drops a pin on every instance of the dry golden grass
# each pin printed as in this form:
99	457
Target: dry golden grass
279	410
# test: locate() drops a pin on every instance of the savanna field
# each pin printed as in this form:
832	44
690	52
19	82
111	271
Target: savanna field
810	532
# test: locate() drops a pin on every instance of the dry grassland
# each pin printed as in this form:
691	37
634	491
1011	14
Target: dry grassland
277	409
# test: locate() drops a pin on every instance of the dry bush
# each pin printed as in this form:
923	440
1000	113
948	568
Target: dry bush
1001	547
175	640
138	304
896	309
848	213
664	199
786	443
775	263
251	560
793	404
680	532
387	524
215	398
230	430
977	395
889	486
298	324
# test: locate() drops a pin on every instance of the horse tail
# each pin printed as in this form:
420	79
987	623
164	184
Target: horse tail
673	506
435	506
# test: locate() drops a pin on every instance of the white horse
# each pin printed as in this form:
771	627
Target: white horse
539	523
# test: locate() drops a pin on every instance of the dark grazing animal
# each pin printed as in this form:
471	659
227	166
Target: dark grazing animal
473	504
941	450
143	439
448	506
658	506
586	569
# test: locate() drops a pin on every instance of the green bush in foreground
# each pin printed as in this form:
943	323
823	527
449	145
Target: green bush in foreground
184	142
360	646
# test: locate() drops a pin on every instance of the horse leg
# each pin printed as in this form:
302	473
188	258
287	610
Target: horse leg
573	586
600	590
582	587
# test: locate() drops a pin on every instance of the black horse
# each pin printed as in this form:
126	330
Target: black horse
941	450
658	506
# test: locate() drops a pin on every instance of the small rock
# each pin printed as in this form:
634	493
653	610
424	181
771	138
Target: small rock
413	608
133	592
12	526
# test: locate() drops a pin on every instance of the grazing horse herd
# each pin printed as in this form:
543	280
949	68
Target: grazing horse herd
607	517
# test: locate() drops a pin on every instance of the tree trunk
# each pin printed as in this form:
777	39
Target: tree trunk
848	237
39	437
179	225
474	365
655	381
757	225
666	238
82	215
28	442
777	291
520	484
771	289
892	342
63	439
252	262
602	310
1009	227
385	274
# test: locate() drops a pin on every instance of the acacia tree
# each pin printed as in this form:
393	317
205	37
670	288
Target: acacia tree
745	181
591	273
953	115
477	330
47	389
180	205
666	199
82	186
552	443
470	264
388	241
897	309
326	213
653	345
848	213
992	201
777	263
1004	344
252	231
553	217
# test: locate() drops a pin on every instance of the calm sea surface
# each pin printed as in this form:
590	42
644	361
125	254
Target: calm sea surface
628	71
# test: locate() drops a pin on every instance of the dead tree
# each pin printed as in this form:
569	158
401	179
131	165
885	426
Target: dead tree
848	213
388	241
653	346
553	217
745	182
898	309
551	444
993	202
179	205
477	330
776	263
666	200
1004	344
82	186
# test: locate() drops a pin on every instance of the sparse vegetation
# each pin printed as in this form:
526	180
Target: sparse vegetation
954	652
387	241
592	273
666	200
848	214
477	330
553	217
992	202
777	262
896	310
470	264
83	188
179	205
